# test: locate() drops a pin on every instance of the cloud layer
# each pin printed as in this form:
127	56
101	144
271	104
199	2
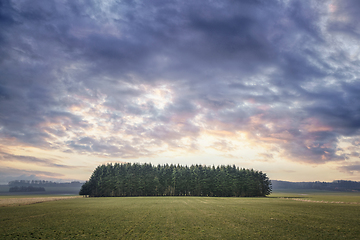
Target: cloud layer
133	79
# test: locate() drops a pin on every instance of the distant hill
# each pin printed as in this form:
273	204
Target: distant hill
26	189
337	185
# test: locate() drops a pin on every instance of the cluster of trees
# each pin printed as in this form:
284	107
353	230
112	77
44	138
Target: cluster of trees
337	185
26	189
175	180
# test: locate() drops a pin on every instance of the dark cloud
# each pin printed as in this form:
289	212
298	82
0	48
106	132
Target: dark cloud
351	168
345	18
6	157
129	79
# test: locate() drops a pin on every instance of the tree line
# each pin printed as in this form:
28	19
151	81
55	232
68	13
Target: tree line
44	183
121	180
29	182
337	185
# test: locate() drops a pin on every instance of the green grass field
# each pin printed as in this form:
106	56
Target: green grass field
280	216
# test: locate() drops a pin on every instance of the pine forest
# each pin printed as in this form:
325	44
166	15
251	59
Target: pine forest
121	180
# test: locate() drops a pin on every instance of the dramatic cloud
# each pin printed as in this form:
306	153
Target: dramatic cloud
138	79
5	157
354	168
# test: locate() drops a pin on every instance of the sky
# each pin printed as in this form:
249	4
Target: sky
272	85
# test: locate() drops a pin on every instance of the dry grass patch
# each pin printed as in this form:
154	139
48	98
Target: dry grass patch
308	200
26	201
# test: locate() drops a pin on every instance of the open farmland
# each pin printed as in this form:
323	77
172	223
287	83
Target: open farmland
19	200
273	217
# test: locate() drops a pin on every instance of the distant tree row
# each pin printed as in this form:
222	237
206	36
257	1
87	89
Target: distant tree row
122	180
337	185
26	189
44	183
30	182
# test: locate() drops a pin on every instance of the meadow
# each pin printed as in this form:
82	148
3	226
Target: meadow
283	215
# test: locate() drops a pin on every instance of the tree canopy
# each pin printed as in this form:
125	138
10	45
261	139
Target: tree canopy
120	180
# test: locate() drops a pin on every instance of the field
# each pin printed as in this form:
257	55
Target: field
283	215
